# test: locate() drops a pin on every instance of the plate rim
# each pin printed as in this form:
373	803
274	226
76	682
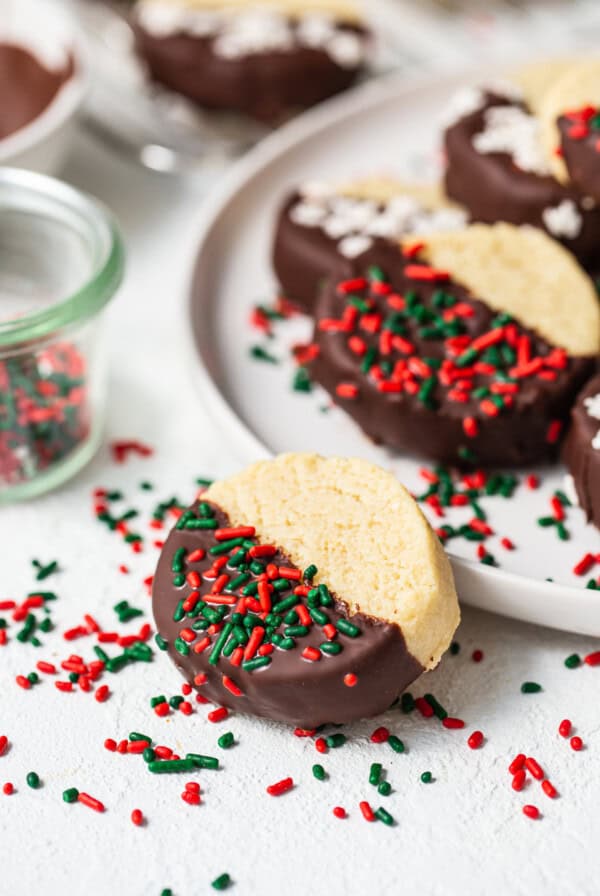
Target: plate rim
471	577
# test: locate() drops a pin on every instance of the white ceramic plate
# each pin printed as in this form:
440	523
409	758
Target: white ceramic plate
389	126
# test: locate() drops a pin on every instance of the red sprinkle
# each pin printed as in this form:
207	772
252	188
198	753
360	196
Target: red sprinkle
102	693
110	744
531	811
576	743
592	659
451	723
3	744
366	810
350	679
517	763
534	768
518	781
477	656
475	740
380	735
23	682
232	687
281	787
580	569
339	812
137	817
91	802
321	745
48	668
8	788
564	729
218	715
549	789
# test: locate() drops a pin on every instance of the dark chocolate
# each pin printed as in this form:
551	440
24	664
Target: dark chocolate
493	188
581	154
26	87
267	86
523	431
581	458
303	258
291	689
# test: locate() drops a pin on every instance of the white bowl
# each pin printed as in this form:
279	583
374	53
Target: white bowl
43	144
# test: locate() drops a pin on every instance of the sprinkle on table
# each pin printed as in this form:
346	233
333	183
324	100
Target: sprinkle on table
530	687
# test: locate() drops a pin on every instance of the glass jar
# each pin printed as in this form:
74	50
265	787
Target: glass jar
61	261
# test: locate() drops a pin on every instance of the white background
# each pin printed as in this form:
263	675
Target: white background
464	833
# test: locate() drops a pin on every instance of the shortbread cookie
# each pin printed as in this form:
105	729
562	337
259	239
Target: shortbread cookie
322	226
265	60
498	168
306	590
582	450
466	347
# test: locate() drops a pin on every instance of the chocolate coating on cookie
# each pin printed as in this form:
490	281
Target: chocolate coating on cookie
289	688
580	145
27	87
493	188
424	367
581	451
267	84
315	234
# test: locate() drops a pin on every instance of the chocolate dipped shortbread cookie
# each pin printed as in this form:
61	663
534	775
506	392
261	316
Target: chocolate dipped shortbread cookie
266	60
465	347
30	79
322	226
305	590
582	450
499	168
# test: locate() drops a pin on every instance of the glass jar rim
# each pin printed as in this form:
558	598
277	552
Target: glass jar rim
108	262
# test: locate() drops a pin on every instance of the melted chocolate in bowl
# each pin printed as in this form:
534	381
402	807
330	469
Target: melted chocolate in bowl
26	87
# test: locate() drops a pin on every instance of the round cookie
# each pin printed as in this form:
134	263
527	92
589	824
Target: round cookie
322	226
581	451
333	595
264	60
498	169
467	347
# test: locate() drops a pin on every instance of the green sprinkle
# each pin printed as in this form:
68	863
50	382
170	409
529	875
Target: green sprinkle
302	381
455	648
148	755
182	646
70	795
396	744
176	701
33	780
168	766
573	661
384	816
426	777
260	354
221	882
375	773
200	761
438	709
319	772
335	740
136	735
226	740
347	628
530	687
257	663
384	788
102	655
220	644
310	572
331	647
407	703
161	642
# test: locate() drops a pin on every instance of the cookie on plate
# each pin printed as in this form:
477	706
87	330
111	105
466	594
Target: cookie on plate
570	121
499	168
323	225
305	590
29	82
465	347
582	450
266	60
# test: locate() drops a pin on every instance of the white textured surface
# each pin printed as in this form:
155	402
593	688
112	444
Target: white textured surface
463	834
